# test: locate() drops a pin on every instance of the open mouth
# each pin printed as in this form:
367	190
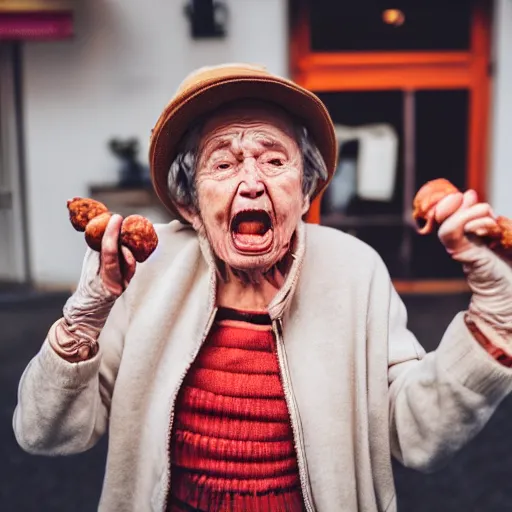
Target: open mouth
251	231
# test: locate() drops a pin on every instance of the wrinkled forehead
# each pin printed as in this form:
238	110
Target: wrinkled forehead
247	114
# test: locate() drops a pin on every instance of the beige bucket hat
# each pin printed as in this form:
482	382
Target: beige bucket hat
207	89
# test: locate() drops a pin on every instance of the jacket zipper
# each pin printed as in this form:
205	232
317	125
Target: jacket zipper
173	400
277	327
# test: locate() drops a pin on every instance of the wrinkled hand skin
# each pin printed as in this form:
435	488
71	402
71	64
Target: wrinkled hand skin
137	232
82	210
428	196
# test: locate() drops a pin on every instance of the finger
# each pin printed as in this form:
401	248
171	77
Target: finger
470	198
481	226
479	210
129	264
109	243
109	248
462	216
453	227
447	206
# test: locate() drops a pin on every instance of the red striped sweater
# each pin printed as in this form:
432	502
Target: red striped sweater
232	444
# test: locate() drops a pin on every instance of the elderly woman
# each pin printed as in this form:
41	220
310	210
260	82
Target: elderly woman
254	362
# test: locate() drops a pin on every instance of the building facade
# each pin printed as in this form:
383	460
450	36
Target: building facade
112	78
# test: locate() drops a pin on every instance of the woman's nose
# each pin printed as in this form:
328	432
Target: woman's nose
251	185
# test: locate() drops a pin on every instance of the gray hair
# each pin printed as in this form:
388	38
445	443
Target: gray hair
181	176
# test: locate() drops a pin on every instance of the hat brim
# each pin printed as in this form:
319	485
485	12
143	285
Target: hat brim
210	95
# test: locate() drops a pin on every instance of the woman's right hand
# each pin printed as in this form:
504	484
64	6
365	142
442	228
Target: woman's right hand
104	278
117	264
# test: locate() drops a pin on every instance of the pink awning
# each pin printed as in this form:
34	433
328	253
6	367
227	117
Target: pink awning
36	25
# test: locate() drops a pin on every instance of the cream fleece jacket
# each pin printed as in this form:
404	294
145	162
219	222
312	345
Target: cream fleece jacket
359	386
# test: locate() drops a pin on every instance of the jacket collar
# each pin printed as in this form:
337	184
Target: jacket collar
281	302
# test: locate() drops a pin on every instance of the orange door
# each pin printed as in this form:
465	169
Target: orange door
381	70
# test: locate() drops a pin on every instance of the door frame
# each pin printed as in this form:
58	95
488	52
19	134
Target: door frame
406	71
11	167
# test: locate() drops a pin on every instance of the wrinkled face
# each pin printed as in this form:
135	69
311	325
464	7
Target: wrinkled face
249	186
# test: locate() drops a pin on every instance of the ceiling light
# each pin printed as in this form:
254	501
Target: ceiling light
394	17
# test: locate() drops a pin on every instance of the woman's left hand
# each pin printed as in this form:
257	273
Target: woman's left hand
460	215
460	218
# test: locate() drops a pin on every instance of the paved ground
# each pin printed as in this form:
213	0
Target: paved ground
478	479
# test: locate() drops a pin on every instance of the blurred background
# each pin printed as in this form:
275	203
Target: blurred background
417	89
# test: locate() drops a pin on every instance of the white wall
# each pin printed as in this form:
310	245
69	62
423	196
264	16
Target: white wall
114	79
501	126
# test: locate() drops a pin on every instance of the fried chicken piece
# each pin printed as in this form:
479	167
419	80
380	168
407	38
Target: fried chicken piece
82	210
506	232
426	200
500	237
139	235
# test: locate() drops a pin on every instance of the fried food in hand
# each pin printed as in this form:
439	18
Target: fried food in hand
424	204
501	236
82	210
426	200
137	233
